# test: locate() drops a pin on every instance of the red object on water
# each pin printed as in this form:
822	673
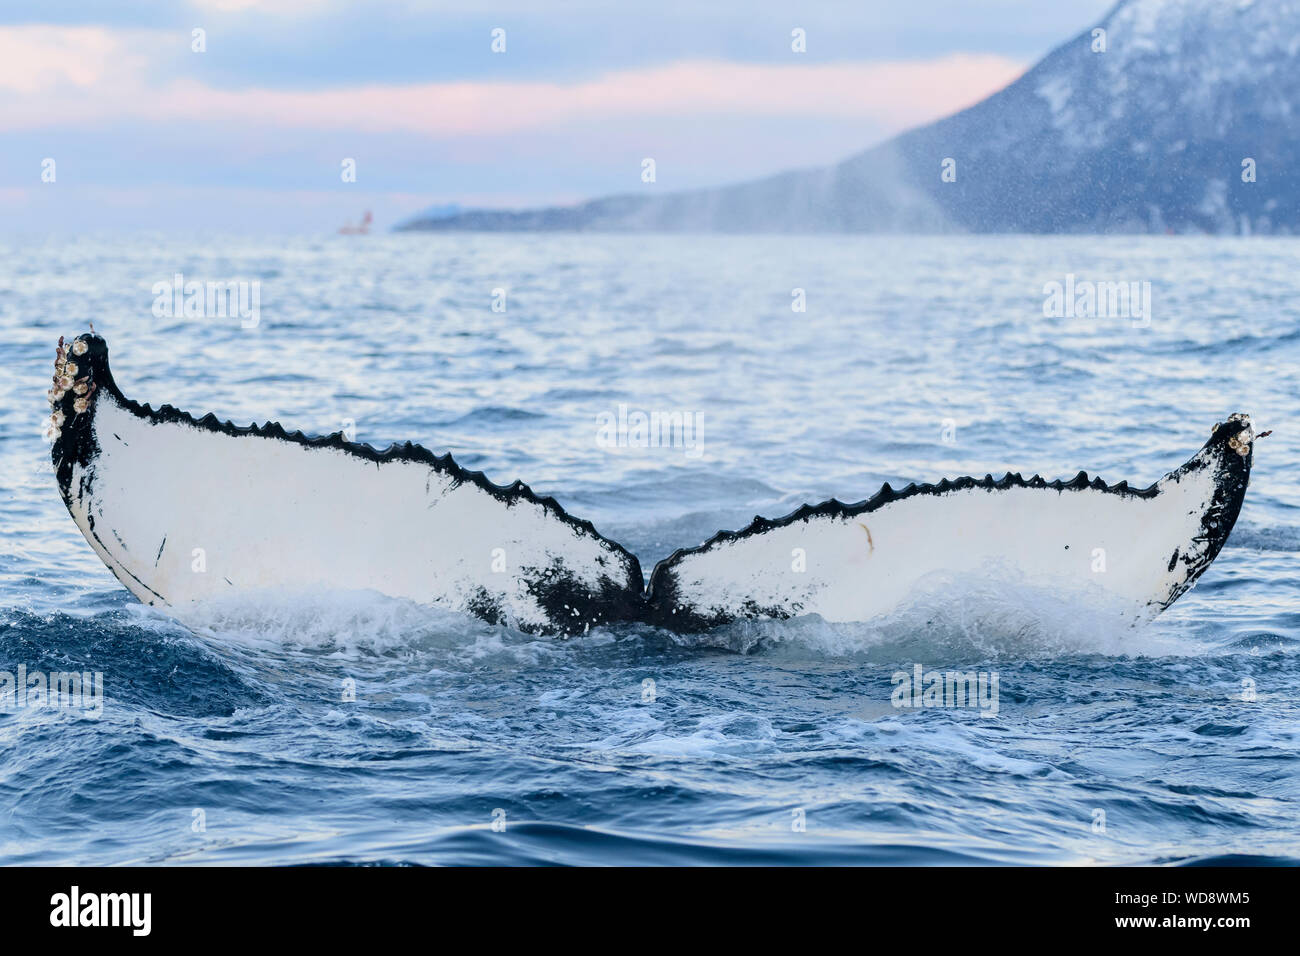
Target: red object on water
359	230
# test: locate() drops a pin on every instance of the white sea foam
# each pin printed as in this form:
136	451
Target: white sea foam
947	617
986	614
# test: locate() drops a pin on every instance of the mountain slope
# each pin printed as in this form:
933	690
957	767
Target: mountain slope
1148	135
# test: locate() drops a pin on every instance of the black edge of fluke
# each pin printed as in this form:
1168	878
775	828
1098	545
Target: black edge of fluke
80	372
1232	475
1231	457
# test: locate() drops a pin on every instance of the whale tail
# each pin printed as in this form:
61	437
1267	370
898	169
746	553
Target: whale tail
182	509
853	562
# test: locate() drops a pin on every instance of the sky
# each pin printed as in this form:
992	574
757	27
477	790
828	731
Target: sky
119	116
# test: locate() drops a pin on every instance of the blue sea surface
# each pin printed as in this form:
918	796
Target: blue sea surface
772	742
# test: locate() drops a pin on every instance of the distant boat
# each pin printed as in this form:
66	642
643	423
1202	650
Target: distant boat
361	229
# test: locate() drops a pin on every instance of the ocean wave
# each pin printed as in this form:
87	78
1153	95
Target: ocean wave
1273	538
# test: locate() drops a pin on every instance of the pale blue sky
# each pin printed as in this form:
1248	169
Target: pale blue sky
250	134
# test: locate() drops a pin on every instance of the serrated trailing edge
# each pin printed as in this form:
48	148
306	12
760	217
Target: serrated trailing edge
834	508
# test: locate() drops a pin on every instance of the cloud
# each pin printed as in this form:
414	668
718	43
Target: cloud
44	59
91	76
892	94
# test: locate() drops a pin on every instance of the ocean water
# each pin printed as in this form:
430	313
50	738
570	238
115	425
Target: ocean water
230	741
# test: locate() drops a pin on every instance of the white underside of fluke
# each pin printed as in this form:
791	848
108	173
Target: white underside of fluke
856	567
181	514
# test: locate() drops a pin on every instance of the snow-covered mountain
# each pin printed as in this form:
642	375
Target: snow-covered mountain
1169	115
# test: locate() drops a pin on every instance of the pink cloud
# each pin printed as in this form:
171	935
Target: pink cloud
93	77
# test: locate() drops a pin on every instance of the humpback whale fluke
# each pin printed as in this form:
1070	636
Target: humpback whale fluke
1145	546
182	509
